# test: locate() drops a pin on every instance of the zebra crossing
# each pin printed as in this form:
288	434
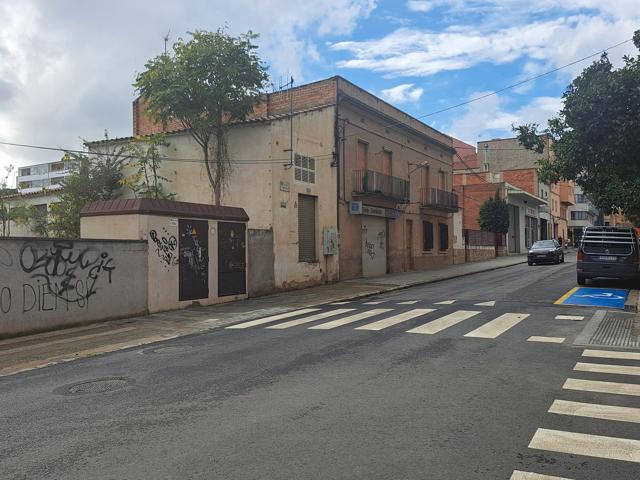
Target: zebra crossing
585	443
389	314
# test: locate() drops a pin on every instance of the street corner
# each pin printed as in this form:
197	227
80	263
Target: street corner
595	297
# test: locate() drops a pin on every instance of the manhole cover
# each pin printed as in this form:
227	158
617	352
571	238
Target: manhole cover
170	349
98	386
617	330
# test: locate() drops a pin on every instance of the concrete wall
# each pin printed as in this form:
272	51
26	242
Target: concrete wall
47	283
261	257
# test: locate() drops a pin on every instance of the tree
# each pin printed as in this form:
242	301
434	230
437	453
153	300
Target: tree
494	217
7	212
206	83
94	176
596	136
146	182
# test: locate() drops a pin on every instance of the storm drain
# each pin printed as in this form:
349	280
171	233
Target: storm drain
100	385
617	330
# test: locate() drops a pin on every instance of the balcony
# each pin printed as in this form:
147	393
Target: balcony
368	182
567	197
438	199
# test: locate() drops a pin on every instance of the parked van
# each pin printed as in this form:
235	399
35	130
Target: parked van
608	252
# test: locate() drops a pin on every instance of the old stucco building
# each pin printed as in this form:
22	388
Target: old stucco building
345	186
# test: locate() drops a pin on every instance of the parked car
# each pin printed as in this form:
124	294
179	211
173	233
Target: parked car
545	251
608	252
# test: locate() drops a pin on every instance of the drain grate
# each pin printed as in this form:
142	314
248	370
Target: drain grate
101	385
617	330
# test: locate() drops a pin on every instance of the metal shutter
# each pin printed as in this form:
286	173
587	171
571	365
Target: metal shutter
306	228
444	236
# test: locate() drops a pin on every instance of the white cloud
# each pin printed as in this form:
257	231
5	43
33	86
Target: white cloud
419	5
402	93
489	119
66	67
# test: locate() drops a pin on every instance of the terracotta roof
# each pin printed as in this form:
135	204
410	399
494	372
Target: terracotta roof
39	193
152	206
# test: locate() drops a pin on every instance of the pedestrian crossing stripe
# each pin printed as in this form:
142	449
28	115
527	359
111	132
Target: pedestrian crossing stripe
442	323
273	318
519	475
445	302
492	303
312	318
572	443
408	302
535	338
602	387
396	319
594	410
350	319
569	317
374	303
612	354
604	368
497	326
339	303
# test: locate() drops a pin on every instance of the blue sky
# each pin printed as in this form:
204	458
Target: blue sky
66	66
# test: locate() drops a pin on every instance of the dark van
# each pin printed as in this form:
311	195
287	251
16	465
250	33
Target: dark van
608	252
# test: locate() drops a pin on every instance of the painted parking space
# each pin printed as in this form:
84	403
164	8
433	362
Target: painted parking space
594	297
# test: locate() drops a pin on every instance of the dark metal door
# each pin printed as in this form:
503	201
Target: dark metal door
232	266
193	274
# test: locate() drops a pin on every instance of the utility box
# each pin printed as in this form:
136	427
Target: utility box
330	241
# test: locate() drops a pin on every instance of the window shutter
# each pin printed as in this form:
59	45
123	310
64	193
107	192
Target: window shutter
444	236
427	236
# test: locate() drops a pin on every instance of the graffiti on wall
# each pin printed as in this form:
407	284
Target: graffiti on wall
166	247
60	275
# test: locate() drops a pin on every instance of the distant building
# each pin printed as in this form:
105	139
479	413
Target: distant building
582	214
34	178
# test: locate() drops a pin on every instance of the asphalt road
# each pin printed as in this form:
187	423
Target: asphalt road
338	403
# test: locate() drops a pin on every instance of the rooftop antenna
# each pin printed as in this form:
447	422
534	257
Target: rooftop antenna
166	41
289	85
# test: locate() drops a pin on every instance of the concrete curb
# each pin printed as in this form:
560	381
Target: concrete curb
631	305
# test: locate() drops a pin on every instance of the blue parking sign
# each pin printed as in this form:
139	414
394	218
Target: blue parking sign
595	297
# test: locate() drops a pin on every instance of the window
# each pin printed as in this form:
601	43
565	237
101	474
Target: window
427	236
386	162
580	198
362	155
57	167
444	236
25	171
579	216
425	178
306	228
442	180
304	169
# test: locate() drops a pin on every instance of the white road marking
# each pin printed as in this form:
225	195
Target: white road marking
350	319
408	302
339	303
273	318
535	338
65	340
378	302
594	410
611	354
445	302
569	317
602	387
602	368
312	318
497	326
441	323
395	319
518	475
492	303
613	448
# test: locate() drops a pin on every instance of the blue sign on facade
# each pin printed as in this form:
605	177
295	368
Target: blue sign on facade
596	297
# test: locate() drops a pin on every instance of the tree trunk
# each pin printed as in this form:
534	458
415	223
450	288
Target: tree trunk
205	150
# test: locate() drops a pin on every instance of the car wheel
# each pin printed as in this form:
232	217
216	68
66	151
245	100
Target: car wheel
562	259
582	280
557	260
530	263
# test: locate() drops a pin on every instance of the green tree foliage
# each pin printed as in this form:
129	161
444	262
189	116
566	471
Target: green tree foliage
7	211
596	136
146	181
494	215
94	176
206	83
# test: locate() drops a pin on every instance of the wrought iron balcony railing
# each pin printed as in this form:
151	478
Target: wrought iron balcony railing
370	182
439	199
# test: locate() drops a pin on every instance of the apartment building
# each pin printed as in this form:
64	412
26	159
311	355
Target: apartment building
34	178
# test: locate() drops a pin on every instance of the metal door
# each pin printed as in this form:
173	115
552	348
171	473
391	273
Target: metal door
193	260
232	264
374	246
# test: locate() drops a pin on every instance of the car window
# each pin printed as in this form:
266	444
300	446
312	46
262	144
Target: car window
544	244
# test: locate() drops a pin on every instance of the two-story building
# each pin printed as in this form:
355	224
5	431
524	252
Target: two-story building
336	182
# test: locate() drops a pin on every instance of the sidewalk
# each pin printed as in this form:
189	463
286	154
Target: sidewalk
35	351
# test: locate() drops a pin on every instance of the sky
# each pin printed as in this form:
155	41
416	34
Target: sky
67	66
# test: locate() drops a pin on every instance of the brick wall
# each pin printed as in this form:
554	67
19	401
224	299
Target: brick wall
525	179
278	103
472	197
